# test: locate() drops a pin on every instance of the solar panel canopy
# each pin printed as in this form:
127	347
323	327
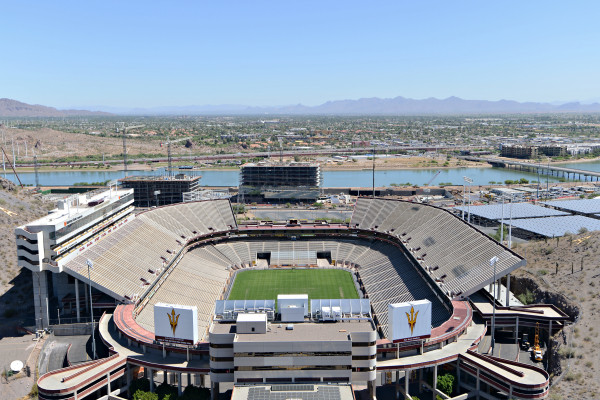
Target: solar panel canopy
519	210
583	206
557	226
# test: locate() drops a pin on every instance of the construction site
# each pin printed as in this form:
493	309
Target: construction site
160	190
280	182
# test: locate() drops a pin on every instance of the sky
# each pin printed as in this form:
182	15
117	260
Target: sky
259	53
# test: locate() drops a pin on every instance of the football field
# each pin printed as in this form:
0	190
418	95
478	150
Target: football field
316	283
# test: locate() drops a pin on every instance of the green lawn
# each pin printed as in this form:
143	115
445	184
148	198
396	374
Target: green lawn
317	283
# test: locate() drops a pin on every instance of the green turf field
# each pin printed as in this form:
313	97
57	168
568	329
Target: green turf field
317	283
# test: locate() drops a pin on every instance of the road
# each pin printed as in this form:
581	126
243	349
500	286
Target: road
263	154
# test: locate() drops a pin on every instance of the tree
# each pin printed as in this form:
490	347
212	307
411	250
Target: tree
445	383
166	392
195	393
239	208
141	395
496	236
142	384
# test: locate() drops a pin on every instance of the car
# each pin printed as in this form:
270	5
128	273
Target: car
525	341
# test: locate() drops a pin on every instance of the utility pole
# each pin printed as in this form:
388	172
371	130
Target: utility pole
36	168
125	129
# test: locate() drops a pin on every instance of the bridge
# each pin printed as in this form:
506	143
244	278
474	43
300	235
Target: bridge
543	169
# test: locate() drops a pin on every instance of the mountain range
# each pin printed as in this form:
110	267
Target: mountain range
14	108
365	106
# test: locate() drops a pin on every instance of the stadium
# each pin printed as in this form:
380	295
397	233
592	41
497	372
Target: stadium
237	279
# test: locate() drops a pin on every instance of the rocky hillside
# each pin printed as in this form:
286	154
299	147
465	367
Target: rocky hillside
17	207
14	108
570	266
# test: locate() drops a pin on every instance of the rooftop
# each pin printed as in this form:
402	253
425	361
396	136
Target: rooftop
76	206
277	164
307	332
294	391
302	332
174	178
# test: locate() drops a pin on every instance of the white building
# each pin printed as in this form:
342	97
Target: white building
46	244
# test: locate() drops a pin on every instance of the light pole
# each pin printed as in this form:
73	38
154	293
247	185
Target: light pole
90	265
512	199
538	181
373	171
502	222
469	181
548	179
463	206
493	262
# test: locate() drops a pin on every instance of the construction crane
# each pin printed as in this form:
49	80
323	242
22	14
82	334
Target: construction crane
124	130
536	350
169	141
280	140
36	169
12	165
426	190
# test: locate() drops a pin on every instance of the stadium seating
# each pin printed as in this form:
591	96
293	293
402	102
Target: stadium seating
129	259
456	254
194	281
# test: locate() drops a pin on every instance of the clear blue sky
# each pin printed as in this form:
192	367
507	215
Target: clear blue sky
157	53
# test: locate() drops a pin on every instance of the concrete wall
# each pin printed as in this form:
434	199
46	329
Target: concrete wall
72	329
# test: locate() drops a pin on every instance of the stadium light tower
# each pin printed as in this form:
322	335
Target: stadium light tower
90	265
469	181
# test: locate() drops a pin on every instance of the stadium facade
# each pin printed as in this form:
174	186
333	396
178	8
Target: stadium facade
190	253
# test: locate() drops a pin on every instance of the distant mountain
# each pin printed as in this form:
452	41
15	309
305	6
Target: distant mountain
451	105
366	106
375	106
14	108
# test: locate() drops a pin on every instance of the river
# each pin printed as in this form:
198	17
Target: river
337	178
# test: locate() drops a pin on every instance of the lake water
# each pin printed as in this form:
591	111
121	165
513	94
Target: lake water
586	165
480	176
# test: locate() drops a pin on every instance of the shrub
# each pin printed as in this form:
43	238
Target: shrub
526	298
566	352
